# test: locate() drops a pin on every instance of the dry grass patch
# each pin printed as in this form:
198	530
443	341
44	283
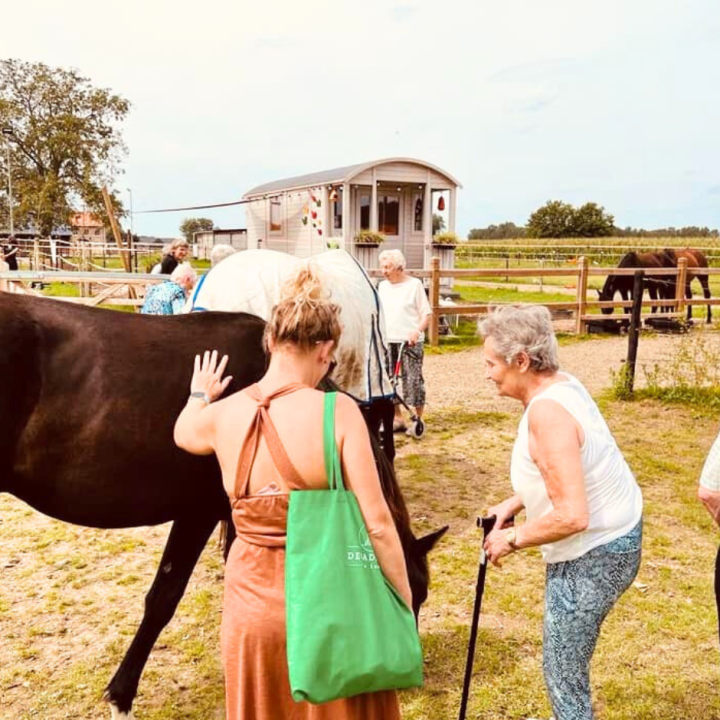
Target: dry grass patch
71	598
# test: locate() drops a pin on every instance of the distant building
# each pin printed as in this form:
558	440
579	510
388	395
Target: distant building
87	226
205	240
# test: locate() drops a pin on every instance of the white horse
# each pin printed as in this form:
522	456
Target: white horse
251	281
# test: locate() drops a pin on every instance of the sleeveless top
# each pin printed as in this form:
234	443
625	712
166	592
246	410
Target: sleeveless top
260	519
614	500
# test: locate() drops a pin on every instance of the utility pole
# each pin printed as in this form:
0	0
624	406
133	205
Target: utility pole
7	134
131	211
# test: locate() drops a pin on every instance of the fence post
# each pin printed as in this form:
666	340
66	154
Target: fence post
434	334
634	331
582	283
681	279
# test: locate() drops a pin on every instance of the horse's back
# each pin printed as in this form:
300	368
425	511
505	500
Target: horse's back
93	441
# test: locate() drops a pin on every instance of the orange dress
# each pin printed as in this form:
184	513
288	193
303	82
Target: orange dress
253	627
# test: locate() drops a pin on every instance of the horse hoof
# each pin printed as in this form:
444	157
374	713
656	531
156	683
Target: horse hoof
115	714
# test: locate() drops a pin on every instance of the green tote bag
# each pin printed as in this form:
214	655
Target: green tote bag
348	630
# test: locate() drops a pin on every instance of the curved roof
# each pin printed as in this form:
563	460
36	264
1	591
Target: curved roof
337	176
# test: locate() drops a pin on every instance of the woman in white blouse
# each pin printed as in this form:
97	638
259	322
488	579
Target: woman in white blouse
584	508
407	314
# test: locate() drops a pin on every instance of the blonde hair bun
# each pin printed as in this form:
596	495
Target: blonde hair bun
304	316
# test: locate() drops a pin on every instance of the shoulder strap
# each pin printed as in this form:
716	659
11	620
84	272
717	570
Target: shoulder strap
262	424
333	469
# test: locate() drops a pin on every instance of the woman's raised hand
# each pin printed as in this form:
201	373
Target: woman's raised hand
208	375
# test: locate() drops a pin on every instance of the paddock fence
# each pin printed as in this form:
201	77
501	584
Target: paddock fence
93	288
122	288
579	308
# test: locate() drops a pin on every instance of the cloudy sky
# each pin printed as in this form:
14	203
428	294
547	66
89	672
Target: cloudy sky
611	101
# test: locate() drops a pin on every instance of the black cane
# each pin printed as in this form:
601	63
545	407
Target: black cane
487	524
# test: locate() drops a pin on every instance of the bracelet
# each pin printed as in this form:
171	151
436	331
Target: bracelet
200	395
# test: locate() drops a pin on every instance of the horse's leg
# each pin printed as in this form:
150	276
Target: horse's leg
652	292
379	413
688	296
188	537
625	294
704	281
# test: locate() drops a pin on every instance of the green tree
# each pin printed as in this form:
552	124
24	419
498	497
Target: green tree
438	223
503	231
591	220
190	226
552	220
65	141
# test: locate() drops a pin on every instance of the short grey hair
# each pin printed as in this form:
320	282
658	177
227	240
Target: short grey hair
394	257
178	243
183	271
220	252
525	329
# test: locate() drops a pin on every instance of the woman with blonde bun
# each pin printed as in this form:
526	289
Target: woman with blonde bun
268	440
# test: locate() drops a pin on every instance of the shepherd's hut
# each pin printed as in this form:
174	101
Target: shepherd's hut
397	197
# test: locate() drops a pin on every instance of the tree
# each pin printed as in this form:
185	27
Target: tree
438	223
503	231
552	220
65	141
591	220
190	226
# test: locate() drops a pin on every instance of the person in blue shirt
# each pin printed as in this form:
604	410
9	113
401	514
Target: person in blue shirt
168	297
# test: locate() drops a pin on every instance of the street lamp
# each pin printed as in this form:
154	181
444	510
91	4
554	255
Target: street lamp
7	134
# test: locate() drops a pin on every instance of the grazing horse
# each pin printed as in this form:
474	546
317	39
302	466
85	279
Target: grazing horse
86	426
658	286
695	259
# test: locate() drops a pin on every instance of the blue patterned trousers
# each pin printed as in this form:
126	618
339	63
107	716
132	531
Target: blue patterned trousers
578	596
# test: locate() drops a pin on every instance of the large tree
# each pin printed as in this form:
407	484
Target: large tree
552	220
189	226
591	220
65	141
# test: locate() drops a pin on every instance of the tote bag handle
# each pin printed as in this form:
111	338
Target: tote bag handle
333	469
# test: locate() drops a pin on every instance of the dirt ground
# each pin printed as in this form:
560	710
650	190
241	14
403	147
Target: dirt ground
457	380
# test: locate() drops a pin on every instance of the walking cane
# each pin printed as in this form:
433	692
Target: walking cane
487	524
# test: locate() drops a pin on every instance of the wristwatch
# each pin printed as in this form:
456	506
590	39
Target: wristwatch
511	537
200	395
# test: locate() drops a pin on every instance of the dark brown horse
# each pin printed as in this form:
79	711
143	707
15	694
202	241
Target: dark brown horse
659	287
695	259
87	409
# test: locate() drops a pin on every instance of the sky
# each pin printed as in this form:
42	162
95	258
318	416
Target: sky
523	101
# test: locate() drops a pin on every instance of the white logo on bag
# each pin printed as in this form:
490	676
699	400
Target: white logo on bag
362	554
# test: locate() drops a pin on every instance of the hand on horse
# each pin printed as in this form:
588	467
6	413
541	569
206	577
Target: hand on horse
208	375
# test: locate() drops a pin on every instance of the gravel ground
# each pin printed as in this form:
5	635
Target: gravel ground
457	379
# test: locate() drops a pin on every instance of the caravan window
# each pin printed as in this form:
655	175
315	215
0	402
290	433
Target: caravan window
276	214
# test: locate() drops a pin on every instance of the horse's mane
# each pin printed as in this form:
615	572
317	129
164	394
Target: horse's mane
391	491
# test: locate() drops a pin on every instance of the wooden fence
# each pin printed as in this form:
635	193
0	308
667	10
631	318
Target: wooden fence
96	288
121	288
579	306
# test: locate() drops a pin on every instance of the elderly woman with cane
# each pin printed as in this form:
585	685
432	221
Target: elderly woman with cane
584	508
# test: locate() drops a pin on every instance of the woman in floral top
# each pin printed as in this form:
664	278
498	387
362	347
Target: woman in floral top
168	297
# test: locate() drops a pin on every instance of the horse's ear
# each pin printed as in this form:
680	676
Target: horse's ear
426	543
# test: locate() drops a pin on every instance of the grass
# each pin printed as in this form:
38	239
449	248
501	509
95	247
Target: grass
71	597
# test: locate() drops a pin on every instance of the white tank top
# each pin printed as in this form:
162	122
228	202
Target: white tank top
614	500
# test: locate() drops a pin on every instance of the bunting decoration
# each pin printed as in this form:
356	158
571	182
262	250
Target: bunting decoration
312	213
